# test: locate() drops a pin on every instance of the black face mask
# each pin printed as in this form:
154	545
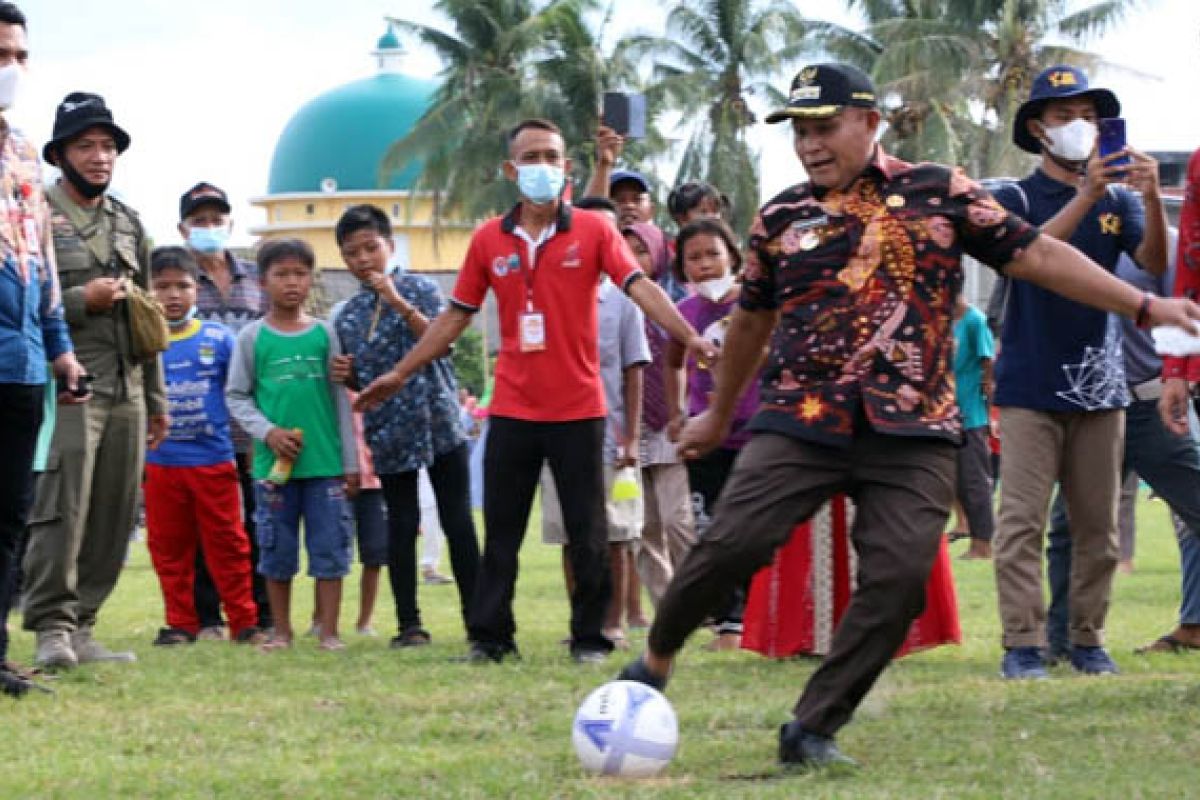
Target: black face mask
82	185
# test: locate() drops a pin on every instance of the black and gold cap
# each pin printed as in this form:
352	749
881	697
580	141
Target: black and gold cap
822	90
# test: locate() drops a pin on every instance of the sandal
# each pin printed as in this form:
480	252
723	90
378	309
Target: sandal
1166	644
275	643
169	637
411	637
331	644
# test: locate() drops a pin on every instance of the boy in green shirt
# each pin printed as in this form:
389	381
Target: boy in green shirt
283	391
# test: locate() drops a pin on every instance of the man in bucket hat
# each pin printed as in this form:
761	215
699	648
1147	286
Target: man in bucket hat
1060	383
86	500
851	278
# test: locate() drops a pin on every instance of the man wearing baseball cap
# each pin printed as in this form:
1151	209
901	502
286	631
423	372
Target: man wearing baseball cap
229	292
850	279
86	499
1060	384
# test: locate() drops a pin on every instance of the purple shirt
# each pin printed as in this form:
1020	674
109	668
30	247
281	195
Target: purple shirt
711	320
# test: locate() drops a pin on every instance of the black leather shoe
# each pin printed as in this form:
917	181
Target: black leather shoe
638	671
803	750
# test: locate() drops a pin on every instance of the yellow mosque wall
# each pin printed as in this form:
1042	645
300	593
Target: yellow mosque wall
312	216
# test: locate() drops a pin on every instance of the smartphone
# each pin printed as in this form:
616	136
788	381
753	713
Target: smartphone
83	389
1112	140
625	113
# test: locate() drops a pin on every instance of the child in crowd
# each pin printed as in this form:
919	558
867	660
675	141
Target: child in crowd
694	200
668	529
417	427
370	529
707	256
191	485
283	391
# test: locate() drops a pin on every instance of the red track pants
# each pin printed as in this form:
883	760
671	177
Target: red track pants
186	506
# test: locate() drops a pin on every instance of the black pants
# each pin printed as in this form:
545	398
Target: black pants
208	601
902	490
512	463
706	480
450	476
20	418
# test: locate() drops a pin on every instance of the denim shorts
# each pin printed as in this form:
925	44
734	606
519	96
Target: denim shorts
328	527
371	526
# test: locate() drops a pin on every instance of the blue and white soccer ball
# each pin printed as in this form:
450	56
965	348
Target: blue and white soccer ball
627	729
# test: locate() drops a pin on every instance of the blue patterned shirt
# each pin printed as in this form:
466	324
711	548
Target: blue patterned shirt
421	421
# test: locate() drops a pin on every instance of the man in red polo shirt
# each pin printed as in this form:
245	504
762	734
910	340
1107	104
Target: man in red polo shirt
543	261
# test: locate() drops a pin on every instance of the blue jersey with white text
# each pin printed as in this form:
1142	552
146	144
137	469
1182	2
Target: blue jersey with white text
195	367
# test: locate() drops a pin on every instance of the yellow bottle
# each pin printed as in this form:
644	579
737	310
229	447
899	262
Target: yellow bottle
281	470
625	485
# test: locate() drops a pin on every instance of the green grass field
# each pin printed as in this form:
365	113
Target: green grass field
215	720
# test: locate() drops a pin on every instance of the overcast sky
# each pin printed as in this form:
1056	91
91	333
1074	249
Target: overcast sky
205	89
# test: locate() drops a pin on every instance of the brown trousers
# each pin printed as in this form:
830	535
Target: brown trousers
1081	450
902	489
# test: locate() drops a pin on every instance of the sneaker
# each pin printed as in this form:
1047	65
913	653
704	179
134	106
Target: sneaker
800	749
88	650
212	633
252	635
1023	663
54	650
169	637
1092	661
638	671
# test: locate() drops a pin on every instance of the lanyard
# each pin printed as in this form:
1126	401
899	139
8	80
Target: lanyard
530	274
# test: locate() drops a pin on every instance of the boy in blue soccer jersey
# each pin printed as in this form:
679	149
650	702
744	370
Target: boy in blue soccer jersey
191	489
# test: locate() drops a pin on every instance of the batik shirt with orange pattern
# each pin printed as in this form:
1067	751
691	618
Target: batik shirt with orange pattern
864	280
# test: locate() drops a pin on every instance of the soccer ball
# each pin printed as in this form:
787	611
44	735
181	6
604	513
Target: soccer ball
625	728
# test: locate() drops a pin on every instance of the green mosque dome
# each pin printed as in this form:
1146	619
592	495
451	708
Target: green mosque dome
389	41
337	141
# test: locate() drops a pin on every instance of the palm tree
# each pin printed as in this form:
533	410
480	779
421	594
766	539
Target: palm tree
717	55
505	60
1019	45
951	73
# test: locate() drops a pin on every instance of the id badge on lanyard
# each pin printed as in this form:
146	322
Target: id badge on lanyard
533	331
531	323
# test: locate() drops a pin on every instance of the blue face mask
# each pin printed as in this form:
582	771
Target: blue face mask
207	240
540	183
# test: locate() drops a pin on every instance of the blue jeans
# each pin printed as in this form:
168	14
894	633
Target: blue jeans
1170	464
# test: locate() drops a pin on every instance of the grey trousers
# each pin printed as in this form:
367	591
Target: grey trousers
975	483
83	512
668	531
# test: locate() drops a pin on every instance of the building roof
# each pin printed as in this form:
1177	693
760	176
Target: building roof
344	133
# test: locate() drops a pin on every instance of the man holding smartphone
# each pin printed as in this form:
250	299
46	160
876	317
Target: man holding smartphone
1060	380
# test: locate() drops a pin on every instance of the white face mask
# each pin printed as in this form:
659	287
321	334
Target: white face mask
10	82
715	289
1073	141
